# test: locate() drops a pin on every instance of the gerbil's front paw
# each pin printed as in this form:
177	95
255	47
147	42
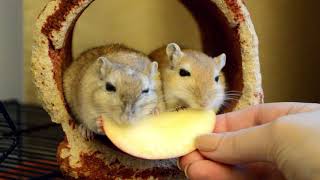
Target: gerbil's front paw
86	133
155	111
99	124
179	108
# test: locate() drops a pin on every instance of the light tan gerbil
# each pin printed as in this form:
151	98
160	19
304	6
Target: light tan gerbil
190	78
115	81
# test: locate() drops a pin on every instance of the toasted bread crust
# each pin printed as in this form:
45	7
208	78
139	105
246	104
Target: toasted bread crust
51	55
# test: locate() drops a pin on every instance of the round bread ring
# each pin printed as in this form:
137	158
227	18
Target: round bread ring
225	26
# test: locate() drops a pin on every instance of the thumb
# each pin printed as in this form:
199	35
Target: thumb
243	146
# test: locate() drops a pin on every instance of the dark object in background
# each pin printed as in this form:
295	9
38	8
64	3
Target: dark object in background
28	143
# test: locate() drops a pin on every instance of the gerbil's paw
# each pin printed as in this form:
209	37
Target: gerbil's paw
179	108
86	133
155	111
99	124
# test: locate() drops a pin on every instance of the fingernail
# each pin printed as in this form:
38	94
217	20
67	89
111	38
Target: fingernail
208	142
178	164
186	170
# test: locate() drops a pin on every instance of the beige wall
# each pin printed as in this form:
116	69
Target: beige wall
31	9
289	48
287	31
11	50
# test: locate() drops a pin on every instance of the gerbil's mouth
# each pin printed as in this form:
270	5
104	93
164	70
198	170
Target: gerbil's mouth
179	108
181	105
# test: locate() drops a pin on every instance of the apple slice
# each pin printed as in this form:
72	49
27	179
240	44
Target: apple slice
168	135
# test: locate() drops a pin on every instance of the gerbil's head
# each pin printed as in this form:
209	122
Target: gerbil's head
124	94
194	79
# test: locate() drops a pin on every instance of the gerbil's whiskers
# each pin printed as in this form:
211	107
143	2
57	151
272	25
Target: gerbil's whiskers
148	103
230	96
225	104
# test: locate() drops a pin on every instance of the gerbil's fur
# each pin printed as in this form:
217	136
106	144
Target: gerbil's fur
114	81
201	84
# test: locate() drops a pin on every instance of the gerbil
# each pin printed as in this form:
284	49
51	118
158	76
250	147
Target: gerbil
190	78
115	81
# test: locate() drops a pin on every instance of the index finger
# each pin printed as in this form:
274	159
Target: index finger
259	114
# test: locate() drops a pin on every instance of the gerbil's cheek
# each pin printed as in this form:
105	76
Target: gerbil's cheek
145	106
98	97
105	99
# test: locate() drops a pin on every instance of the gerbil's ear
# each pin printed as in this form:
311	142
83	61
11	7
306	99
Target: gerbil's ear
153	68
104	66
174	53
220	61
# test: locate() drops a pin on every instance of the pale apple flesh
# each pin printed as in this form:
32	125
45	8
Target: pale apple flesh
164	136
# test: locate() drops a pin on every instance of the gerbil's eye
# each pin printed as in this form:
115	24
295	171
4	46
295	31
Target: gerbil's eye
110	87
216	78
184	72
145	91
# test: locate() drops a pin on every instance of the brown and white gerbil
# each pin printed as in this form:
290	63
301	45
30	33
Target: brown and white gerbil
114	81
190	78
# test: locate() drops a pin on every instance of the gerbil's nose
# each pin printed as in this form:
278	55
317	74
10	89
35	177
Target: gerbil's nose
126	117
129	109
128	113
205	104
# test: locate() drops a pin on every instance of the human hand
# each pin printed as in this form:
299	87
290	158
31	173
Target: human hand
269	141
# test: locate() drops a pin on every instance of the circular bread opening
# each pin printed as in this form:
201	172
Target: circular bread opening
213	34
143	25
217	36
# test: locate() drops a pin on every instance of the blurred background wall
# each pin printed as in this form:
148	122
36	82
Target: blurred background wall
289	36
288	32
11	61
